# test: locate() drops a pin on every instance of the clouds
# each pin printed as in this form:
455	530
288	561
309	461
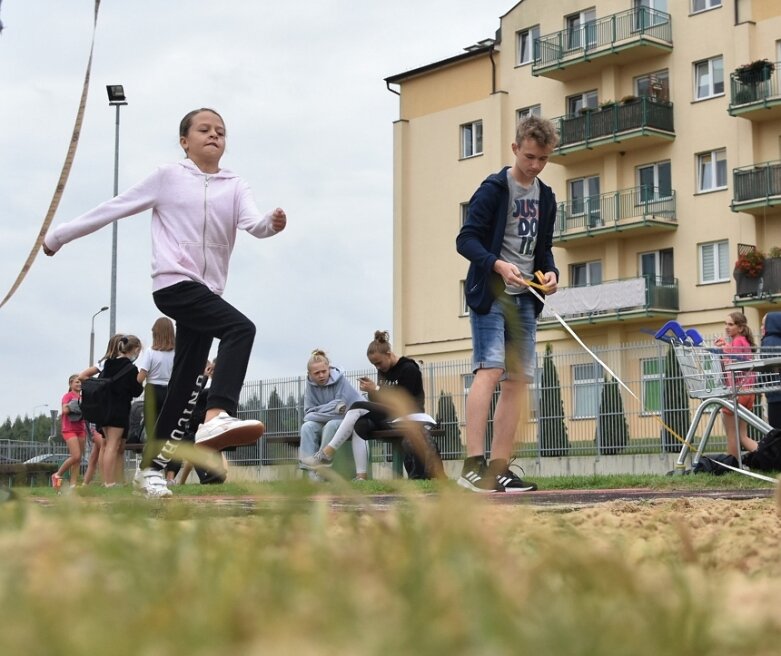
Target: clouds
309	126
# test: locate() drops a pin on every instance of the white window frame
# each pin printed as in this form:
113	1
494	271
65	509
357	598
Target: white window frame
651	378
711	166
709	78
657	193
587	384
591	269
718	253
581	29
531	110
525	45
707	5
587	100
464	307
471	139
591	189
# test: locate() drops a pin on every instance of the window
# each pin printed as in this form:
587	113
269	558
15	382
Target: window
703	5
582	100
526	50
585	274
534	110
651	17
657	266
651	389
464	207
714	262
472	139
712	170
586	388
582	29
584	200
709	78
653	85
654	182
464	306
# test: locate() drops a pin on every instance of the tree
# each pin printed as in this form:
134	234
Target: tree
448	419
675	404
552	429
612	429
275	413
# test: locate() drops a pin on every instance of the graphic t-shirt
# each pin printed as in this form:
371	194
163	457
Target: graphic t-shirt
520	235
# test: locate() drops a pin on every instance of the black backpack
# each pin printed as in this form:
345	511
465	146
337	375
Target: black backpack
767	457
96	397
709	464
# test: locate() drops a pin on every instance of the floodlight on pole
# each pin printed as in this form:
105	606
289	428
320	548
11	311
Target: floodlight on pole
116	98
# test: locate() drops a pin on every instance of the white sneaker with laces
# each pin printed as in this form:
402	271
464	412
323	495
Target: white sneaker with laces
223	431
151	483
316	461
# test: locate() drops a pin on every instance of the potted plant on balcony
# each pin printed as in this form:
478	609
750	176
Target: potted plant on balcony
756	71
771	276
748	272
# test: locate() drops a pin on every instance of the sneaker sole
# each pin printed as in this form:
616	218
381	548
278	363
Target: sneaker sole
314	468
239	436
519	490
469	486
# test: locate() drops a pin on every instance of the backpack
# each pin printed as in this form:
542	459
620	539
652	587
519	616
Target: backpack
767	457
708	464
96	397
136	433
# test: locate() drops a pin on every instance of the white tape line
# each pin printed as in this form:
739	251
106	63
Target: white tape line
66	169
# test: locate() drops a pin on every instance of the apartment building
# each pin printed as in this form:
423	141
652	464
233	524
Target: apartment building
670	119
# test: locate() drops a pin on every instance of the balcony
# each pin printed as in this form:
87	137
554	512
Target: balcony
755	91
623	213
756	189
618	39
632	124
615	300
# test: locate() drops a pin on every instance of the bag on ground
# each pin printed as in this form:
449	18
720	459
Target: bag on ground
767	457
709	464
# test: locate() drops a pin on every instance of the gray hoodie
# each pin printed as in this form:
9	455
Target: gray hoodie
322	403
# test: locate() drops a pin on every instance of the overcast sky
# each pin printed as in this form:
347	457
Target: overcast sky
309	119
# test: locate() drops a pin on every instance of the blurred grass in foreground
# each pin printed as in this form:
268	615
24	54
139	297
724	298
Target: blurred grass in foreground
446	574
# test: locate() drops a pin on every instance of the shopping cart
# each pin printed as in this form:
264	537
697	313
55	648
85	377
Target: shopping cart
717	381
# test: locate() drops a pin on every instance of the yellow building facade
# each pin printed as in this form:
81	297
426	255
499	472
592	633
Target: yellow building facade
669	166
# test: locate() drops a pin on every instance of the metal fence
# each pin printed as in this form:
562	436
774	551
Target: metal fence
572	408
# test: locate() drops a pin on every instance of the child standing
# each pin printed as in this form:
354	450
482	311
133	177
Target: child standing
739	341
197	209
74	432
123	390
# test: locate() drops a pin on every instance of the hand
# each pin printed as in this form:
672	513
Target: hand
366	384
48	251
720	342
278	220
551	282
341	407
509	273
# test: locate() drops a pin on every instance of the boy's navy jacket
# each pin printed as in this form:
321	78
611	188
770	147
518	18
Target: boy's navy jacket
771	341
480	239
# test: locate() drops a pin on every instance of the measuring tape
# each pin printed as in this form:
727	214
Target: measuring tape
66	169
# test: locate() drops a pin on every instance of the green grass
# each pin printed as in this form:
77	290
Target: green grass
300	572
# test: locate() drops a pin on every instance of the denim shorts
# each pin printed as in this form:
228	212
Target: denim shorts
505	337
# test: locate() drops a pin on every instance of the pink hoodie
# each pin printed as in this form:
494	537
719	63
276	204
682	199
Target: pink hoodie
195	216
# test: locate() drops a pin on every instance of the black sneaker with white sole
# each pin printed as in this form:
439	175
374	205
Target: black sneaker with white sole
475	477
513	483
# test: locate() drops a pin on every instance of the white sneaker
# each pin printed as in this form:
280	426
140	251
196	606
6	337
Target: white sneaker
151	483
223	431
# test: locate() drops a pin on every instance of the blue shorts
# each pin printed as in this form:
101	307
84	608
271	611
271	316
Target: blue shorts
505	337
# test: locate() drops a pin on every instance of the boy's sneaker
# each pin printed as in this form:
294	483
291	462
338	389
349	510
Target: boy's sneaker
475	477
223	431
317	461
513	483
151	483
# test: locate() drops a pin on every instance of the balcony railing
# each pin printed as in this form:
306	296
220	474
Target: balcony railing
613	300
614	123
618	210
605	36
756	186
754	88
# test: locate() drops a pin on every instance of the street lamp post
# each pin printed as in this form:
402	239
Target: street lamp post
92	336
40	405
116	98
